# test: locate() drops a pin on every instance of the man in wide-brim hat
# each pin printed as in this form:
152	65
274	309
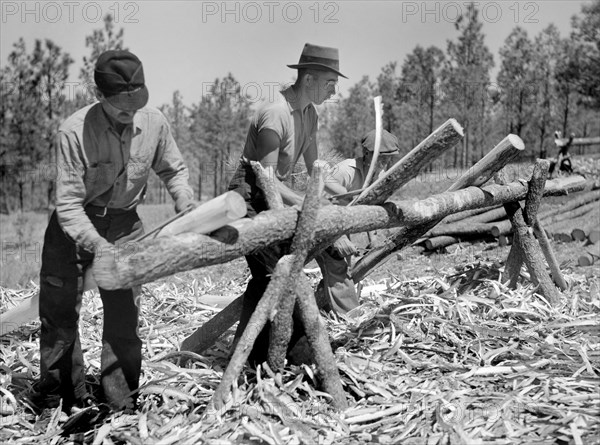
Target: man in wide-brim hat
105	152
282	130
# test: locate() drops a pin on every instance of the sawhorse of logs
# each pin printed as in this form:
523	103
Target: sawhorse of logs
161	257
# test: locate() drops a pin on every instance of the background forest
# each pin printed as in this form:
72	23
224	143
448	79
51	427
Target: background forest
544	83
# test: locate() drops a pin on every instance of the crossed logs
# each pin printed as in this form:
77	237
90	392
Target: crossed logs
313	229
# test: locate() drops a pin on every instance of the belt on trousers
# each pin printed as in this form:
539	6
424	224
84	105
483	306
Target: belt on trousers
101	212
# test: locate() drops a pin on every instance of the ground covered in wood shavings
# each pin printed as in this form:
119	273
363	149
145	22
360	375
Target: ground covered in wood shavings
454	357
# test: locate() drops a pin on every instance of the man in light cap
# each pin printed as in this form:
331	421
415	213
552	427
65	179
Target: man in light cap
347	176
105	152
282	129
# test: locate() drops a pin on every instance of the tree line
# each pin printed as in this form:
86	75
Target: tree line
544	83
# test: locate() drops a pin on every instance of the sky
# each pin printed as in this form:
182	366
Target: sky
185	45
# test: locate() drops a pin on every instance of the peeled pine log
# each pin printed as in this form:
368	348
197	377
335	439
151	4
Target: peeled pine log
560	231
575	202
464	229
583	230
590	256
572	214
161	257
206	336
501	228
477	175
438	242
468	226
586	259
204	219
489	216
267	185
579	234
504	240
464	215
577	141
210	216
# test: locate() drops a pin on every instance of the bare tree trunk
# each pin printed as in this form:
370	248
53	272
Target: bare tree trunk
216	176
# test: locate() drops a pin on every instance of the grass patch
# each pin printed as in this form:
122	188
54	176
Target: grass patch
22	239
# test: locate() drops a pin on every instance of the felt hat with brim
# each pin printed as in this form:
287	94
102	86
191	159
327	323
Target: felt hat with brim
119	75
319	58
389	143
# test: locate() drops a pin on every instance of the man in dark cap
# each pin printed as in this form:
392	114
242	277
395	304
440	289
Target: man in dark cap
105	152
282	130
347	176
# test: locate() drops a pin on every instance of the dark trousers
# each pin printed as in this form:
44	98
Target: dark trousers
62	371
261	263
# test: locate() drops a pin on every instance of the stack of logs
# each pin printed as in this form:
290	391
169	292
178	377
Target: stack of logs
576	220
313	229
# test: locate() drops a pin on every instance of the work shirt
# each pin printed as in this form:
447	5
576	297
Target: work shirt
348	173
296	128
99	166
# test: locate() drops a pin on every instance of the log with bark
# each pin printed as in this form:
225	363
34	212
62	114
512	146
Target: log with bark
530	211
525	248
288	272
439	242
407	168
477	175
273	227
399	174
281	330
207	334
162	257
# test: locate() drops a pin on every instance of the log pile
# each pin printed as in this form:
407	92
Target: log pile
574	220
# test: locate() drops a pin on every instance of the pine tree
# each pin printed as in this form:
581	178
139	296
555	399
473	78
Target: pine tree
466	82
